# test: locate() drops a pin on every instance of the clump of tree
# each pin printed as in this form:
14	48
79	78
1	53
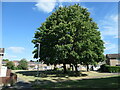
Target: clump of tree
69	36
23	64
5	60
10	65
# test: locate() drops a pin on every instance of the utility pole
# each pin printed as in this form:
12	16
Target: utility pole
38	58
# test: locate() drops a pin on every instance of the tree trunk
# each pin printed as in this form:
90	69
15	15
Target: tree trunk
64	67
87	67
76	70
54	66
72	68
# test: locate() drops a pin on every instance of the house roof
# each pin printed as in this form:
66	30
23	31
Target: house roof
113	56
15	61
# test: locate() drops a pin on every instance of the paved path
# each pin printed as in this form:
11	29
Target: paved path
0	87
20	84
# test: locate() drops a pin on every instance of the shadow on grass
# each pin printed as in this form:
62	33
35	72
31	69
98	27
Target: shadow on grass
51	73
111	82
18	85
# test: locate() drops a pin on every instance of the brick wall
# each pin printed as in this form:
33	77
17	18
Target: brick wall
9	77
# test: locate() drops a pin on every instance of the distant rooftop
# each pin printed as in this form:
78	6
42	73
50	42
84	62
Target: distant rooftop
113	56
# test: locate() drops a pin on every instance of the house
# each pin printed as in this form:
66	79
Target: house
32	65
113	59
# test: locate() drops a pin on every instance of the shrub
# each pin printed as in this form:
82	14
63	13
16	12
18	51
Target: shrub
16	68
56	69
113	69
107	68
10	65
103	68
23	64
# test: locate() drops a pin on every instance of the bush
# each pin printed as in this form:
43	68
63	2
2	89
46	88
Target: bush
107	68
23	64
10	65
16	68
103	68
56	69
113	69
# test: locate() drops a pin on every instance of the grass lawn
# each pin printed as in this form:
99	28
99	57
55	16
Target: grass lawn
92	80
110	82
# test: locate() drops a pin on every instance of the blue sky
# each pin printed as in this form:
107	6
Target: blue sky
20	20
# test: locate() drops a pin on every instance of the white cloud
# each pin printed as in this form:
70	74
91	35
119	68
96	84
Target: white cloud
16	49
111	47
117	36
109	26
112	31
114	18
60	4
6	56
106	42
46	6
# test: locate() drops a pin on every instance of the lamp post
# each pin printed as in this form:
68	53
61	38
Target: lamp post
38	58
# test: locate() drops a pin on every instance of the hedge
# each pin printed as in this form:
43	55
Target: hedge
111	69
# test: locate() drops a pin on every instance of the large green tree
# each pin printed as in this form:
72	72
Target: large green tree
23	64
69	36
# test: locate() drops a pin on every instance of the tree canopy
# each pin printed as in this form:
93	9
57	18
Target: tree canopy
23	64
69	36
10	65
5	60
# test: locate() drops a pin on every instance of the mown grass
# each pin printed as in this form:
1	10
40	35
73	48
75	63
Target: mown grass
103	80
110	82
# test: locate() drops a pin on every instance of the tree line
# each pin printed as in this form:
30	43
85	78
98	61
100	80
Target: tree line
23	65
